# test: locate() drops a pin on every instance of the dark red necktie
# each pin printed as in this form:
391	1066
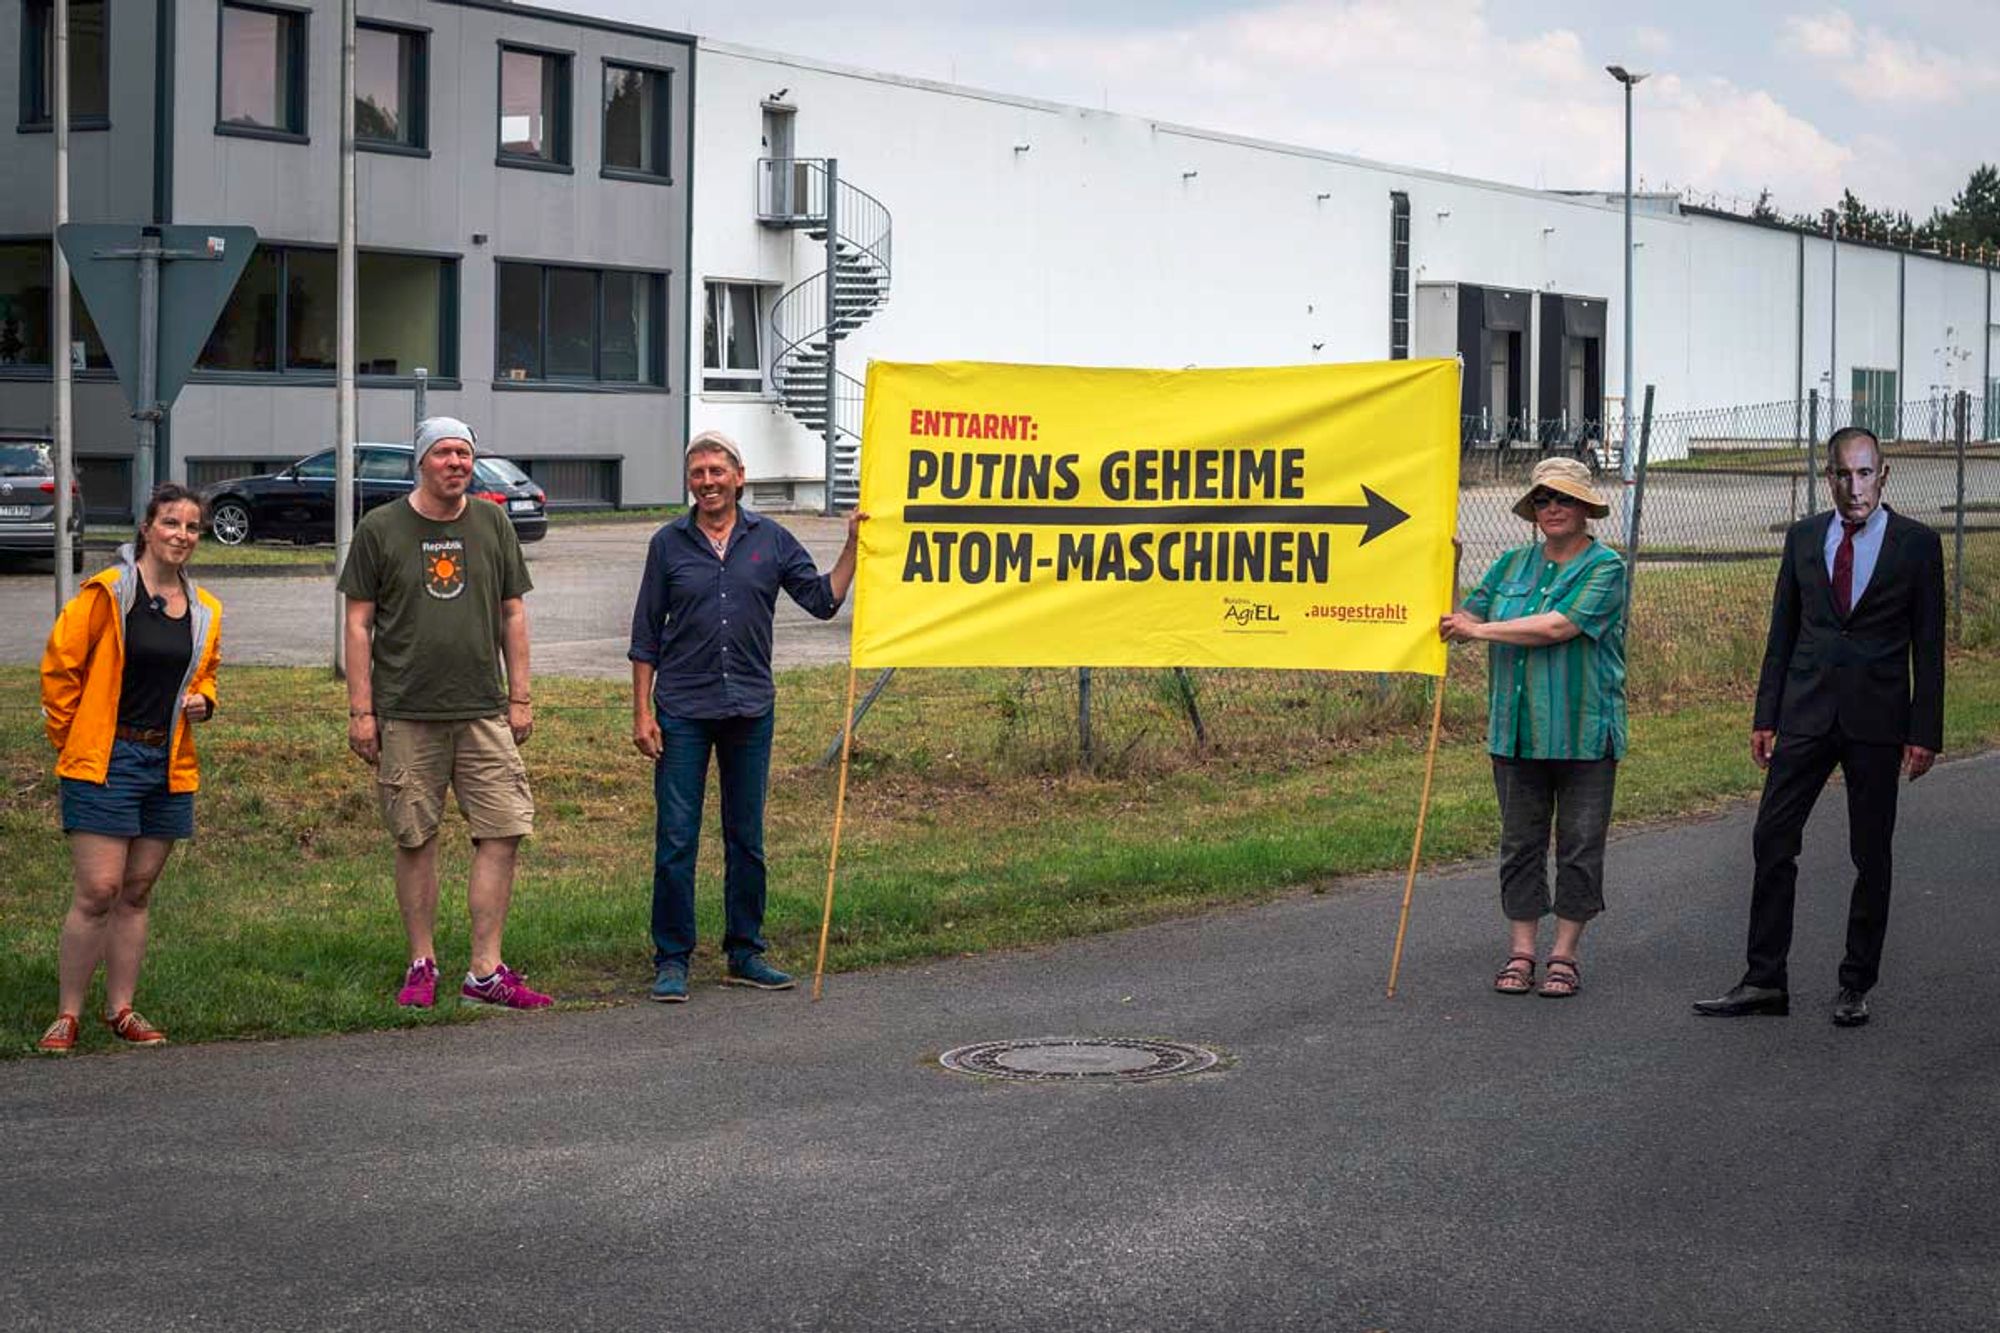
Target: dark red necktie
1843	568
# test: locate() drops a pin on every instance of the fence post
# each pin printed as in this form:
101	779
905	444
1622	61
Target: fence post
1812	450
860	711
1638	498
1962	410
1083	713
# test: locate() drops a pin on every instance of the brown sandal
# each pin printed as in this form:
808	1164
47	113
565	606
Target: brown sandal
1517	976
1558	986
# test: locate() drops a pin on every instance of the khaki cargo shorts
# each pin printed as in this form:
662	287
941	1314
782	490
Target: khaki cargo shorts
476	758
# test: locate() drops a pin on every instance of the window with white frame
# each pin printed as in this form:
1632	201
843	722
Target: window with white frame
732	353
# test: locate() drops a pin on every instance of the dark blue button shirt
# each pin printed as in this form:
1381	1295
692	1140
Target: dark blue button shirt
704	621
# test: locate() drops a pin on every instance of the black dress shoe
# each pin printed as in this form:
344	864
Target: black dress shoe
1743	1001
1851	1009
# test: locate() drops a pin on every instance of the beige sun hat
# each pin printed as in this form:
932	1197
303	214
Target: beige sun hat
1565	475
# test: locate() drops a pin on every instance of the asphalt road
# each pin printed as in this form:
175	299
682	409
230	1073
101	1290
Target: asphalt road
1448	1160
580	613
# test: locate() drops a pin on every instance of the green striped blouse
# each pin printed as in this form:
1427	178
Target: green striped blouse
1564	700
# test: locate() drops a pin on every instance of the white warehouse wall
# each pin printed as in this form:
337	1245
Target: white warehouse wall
1115	240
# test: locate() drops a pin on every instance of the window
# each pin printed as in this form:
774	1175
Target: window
580	324
319	467
1875	403
261	72
1399	275
27	315
391	73
383	465
730	360
405	315
534	107
89	65
637	121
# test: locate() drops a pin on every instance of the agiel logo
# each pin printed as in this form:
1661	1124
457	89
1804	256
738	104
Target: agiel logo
444	568
1238	611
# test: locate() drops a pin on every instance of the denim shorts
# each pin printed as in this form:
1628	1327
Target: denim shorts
132	801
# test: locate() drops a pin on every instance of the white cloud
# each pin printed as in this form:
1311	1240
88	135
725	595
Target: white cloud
1878	66
1654	42
1829	36
1438	86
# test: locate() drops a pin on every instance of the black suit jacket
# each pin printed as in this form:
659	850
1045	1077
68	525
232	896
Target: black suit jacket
1879	673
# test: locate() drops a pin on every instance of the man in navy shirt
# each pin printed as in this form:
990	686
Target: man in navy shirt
701	684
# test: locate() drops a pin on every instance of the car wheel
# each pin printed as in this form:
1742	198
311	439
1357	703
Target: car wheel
229	522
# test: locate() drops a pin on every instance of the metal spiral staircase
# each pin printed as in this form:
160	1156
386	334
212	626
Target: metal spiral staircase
811	318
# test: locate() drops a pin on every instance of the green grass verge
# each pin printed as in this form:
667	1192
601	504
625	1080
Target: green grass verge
279	918
642	514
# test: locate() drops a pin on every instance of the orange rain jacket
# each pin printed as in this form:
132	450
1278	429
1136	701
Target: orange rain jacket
83	672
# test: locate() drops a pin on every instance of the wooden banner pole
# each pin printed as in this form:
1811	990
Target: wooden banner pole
1417	844
839	809
1424	802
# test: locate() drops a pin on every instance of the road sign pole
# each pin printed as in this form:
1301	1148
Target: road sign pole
61	422
146	409
344	429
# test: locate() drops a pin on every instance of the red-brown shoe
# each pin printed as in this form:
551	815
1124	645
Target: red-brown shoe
60	1039
128	1026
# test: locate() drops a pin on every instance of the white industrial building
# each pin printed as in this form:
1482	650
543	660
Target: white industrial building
599	238
1027	231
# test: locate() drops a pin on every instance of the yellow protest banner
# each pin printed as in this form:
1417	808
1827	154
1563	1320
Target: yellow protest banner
1295	516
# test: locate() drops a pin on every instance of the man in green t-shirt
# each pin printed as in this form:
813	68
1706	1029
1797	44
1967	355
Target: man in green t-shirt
434	593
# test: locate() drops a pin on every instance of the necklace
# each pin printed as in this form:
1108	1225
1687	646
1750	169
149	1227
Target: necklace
720	545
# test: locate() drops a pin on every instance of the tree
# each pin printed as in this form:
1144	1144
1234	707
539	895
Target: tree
1974	215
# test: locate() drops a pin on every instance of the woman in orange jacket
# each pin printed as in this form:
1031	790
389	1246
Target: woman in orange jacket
130	665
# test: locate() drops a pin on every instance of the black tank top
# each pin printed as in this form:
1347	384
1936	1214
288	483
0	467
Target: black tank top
158	648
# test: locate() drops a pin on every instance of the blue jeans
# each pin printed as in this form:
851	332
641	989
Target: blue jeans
742	748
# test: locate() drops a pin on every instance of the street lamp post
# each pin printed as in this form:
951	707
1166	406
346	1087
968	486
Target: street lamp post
1628	464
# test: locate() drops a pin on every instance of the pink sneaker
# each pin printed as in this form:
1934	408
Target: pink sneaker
420	985
504	988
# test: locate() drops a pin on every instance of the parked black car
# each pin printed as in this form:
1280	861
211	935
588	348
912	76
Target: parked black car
296	504
28	501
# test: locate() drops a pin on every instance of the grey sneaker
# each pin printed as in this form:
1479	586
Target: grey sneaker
670	983
752	970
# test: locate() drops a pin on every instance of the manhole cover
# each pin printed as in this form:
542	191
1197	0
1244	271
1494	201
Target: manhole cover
1079	1059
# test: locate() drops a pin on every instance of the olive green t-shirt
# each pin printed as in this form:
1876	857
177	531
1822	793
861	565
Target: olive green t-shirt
437	589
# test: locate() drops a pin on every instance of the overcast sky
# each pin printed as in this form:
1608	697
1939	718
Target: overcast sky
1896	99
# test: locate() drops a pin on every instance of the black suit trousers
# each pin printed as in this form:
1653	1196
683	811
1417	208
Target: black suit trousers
1800	767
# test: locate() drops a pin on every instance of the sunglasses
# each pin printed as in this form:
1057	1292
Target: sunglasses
1543	499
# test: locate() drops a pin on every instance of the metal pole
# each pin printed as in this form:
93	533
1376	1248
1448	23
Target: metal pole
1638	500
1625	447
1833	324
1963	407
147	409
343	394
832	425
860	711
1812	450
60	421
1083	713
421	400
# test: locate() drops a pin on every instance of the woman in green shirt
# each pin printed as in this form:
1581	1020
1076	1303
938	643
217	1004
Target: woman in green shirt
1553	616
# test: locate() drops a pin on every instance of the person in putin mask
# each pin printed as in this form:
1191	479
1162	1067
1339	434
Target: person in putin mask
1853	678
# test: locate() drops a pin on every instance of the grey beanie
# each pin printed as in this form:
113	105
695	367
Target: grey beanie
432	429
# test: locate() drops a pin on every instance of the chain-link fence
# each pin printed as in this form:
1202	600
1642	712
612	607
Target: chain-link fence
1709	498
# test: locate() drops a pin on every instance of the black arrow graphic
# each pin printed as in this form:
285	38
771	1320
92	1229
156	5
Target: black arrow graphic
1375	516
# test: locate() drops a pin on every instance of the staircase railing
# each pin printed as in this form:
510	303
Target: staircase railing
810	318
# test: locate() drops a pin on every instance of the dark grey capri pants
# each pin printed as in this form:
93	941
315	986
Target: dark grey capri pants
1573	795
